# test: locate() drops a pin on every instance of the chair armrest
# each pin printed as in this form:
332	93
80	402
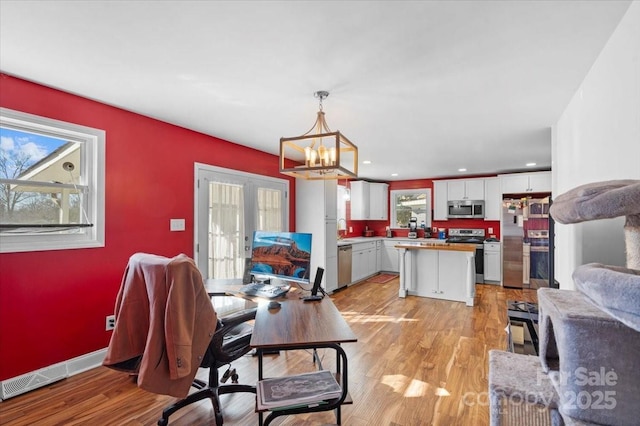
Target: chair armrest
231	339
238	317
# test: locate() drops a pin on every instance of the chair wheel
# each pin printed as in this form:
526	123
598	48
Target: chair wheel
234	378
163	422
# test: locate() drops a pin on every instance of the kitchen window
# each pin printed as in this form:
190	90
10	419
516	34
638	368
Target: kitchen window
51	184
410	203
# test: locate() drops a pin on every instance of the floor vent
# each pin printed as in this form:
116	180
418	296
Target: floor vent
39	378
33	380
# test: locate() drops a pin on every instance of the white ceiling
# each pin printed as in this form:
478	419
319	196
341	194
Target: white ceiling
421	87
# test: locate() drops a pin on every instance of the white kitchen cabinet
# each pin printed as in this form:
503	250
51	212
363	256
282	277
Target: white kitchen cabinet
315	214
427	270
331	201
379	248
492	267
521	183
440	200
440	274
389	261
465	189
359	200
330	278
363	260
492	199
369	200
540	182
449	271
378	201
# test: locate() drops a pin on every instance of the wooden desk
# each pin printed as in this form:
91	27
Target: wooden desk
296	325
303	325
297	322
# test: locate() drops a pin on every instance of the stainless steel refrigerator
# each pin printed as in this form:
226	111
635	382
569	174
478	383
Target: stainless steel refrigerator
527	240
512	243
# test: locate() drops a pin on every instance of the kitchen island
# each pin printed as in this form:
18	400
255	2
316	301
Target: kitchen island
437	270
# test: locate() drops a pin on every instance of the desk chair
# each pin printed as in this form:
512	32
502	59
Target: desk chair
230	342
166	328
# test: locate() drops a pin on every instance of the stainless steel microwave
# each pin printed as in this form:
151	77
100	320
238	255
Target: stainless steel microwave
465	209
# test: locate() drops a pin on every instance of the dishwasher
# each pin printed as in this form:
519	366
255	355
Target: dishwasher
344	266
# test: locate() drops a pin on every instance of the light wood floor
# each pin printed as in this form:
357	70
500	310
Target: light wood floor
417	362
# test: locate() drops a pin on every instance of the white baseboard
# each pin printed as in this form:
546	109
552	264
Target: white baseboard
42	377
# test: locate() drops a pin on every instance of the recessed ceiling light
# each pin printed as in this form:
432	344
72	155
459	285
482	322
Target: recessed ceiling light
394	174
462	170
530	164
366	162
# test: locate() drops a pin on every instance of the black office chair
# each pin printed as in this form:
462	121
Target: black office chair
153	285
229	342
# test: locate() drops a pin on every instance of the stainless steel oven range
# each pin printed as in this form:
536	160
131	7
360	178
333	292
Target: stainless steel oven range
471	236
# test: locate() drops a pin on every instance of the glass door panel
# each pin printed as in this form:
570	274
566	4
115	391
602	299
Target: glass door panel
225	257
230	205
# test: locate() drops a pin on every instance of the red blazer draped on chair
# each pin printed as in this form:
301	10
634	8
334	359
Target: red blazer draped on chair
164	323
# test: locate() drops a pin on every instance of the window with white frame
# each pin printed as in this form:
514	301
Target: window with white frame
51	184
407	204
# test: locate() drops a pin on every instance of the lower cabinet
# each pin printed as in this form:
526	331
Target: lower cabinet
363	261
389	257
439	274
492	263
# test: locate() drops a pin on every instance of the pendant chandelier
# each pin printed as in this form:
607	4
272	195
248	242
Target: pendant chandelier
319	153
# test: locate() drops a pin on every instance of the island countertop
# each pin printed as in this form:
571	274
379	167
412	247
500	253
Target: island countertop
436	246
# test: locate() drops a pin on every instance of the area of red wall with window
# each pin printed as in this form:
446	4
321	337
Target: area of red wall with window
53	303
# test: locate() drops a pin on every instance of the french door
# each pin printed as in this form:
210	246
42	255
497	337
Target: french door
229	206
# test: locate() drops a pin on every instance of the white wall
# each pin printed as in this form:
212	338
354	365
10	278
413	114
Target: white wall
597	138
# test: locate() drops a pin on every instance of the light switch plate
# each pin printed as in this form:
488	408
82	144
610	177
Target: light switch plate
176	225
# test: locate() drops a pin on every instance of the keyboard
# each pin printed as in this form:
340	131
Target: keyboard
264	290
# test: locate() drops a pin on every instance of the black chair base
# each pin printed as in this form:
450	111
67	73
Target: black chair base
205	392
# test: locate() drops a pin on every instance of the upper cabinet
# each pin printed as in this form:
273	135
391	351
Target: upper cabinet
521	183
369	200
440	199
378	201
359	200
465	189
492	199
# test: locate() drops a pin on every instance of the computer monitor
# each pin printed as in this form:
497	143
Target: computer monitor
281	255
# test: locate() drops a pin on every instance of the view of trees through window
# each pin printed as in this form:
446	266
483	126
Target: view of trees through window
410	204
40	179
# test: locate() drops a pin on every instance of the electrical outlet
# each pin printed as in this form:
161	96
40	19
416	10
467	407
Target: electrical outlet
350	229
110	322
491	230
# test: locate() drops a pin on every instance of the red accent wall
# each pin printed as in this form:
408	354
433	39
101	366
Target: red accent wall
53	303
379	226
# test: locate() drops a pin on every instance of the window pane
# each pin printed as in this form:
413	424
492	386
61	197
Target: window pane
269	210
407	204
226	228
40	180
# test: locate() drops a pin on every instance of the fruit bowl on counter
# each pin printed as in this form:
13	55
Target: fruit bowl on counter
367	233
